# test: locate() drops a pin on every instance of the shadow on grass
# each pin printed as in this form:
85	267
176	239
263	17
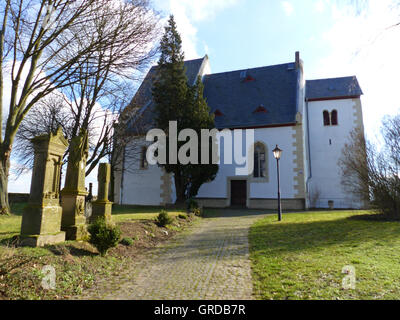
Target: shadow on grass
10	241
131	209
18	208
65	249
58	249
237	212
297	236
375	217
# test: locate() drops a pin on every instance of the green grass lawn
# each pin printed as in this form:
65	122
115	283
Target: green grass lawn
302	257
11	225
125	212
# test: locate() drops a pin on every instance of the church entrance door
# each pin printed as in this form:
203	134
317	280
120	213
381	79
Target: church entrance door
238	193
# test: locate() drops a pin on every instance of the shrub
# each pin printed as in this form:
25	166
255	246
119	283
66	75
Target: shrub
198	212
182	216
163	218
373	174
103	235
127	241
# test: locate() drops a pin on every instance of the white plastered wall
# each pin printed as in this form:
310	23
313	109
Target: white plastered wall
326	144
264	188
150	186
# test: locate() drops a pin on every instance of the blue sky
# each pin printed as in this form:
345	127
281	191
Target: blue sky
332	38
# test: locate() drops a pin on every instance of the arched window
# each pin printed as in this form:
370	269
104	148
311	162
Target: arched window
143	160
334	118
259	161
327	121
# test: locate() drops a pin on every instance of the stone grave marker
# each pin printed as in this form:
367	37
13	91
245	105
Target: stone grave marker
41	220
74	192
102	206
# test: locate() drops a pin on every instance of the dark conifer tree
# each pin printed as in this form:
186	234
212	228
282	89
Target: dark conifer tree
176	100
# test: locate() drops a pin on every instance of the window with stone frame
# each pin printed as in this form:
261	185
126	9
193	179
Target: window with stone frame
327	120
259	161
334	118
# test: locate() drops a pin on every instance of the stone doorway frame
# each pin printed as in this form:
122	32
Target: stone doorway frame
229	190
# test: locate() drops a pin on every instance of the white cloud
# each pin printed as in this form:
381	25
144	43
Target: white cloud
186	13
319	6
362	45
287	8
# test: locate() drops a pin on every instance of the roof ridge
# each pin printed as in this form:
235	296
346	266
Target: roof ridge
184	61
248	69
333	78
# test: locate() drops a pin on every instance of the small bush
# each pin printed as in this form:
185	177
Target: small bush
103	235
182	216
127	241
163	219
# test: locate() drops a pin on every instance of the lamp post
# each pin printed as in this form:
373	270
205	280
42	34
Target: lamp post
277	155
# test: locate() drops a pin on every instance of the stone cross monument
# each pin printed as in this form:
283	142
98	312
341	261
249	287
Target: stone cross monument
74	192
102	206
41	220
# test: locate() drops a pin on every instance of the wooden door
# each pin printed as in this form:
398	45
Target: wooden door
238	193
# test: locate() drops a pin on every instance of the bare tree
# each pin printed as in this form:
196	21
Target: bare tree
315	194
357	163
375	175
45	117
66	45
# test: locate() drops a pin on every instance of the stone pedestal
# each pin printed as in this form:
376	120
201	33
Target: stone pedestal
74	193
73	218
41	220
101	208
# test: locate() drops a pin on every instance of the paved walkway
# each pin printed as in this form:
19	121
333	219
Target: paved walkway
210	261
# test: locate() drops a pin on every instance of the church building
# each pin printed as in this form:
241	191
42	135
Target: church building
310	121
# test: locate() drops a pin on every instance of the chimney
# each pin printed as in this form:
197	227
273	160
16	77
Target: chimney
297	60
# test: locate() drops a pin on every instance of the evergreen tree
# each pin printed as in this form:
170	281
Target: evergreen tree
175	100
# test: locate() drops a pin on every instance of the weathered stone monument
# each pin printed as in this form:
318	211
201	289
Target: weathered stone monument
73	194
41	220
102	206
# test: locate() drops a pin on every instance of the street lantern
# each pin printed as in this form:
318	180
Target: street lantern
277	152
277	155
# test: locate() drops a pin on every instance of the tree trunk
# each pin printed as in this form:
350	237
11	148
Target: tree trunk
180	191
4	171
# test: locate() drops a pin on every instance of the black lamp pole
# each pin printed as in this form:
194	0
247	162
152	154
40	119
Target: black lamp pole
277	154
279	193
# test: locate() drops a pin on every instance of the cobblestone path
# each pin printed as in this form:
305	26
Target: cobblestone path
210	261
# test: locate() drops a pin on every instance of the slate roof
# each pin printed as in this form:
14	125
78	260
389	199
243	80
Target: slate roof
274	88
256	97
344	87
143	120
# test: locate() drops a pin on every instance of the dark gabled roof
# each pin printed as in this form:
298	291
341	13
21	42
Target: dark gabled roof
345	87
273	87
143	119
236	96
